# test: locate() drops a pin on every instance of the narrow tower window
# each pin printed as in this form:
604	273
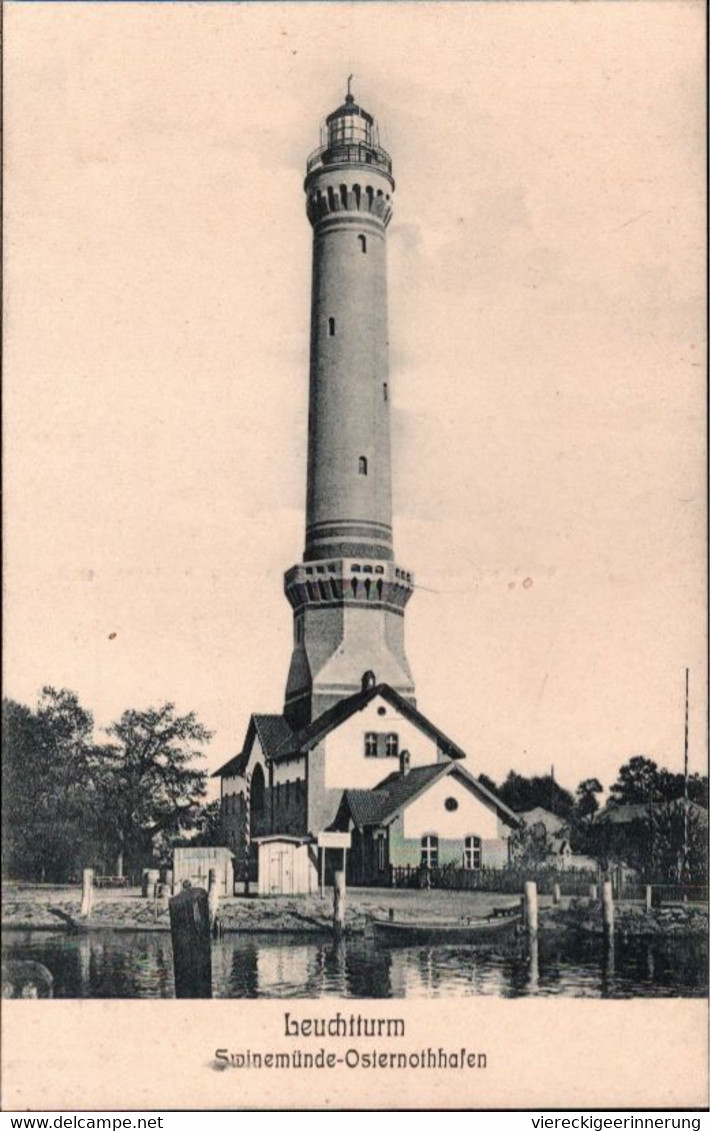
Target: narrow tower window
362	465
331	327
385	390
363	244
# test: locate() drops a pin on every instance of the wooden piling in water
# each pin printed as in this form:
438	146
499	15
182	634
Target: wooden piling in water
556	893
190	938
648	897
593	891
149	878
87	892
608	910
530	896
213	900
339	903
163	893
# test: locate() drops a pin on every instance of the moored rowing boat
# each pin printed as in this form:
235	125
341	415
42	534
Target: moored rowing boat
418	932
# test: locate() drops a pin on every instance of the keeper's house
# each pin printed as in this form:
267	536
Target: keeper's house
374	766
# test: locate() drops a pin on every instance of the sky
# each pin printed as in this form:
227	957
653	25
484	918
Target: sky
546	316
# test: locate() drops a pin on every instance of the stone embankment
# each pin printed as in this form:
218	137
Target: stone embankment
632	920
38	908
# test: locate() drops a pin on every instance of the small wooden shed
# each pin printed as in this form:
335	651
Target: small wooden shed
287	865
194	864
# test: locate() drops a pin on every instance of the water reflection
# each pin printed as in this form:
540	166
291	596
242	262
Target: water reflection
140	965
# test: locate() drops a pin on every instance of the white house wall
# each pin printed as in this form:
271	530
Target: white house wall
289	771
428	813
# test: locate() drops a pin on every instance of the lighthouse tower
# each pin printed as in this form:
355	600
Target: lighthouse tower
348	596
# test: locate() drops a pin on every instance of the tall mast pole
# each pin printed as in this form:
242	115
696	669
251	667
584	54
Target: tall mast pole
686	777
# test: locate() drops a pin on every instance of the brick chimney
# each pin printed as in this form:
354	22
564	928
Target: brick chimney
404	763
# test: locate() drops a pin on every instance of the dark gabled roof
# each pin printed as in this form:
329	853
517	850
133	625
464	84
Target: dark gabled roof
379	805
232	768
271	730
373	806
641	811
312	734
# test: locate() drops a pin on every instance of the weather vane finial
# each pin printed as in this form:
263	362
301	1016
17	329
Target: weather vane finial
348	92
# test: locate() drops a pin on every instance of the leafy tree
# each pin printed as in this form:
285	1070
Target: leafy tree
586	802
488	783
522	794
49	804
530	847
640	781
653	844
150	786
206	829
637	782
667	861
208	825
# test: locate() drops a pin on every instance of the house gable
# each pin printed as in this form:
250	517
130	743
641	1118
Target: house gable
450	808
312	735
346	764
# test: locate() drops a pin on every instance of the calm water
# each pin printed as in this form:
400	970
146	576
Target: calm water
140	965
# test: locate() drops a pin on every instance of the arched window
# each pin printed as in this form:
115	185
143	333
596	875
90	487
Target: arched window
356	194
363	243
429	853
362	465
472	853
331	327
371	745
385	390
354	586
379	587
392	746
257	792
